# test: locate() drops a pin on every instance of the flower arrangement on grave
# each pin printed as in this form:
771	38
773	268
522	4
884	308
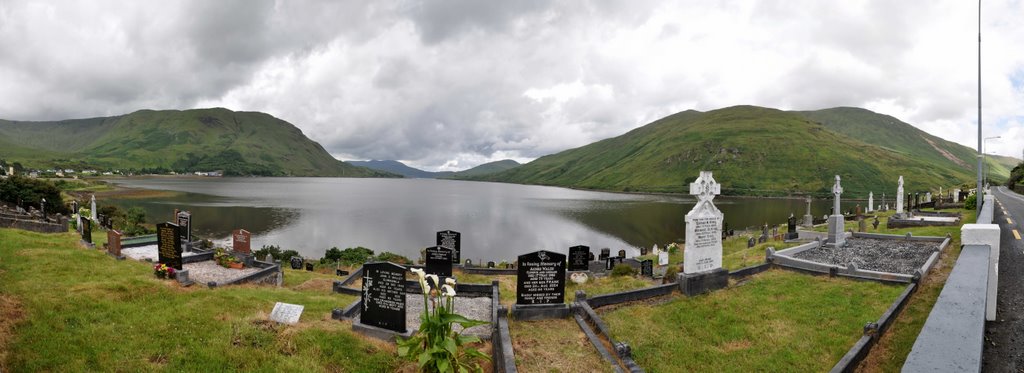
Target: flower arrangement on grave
223	259
163	271
437	347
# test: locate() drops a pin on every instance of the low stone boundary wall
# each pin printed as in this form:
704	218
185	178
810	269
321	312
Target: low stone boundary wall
269	273
32	225
503	355
489	271
872	332
786	259
599	301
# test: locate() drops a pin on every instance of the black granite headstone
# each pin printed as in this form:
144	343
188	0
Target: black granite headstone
296	262
540	278
622	254
591	257
647	268
309	267
643	250
169	245
439	261
86	230
579	257
605	253
341	272
490	264
609	263
469	263
452	240
384	296
751	242
185	225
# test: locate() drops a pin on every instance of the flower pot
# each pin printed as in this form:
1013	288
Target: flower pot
237	265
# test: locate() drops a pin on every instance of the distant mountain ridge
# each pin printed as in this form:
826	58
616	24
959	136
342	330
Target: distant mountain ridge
762	151
400	168
238	143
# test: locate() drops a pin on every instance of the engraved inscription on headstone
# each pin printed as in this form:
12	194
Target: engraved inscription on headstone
286	313
579	258
452	240
296	262
540	278
384	296
605	253
703	228
663	258
647	268
240	241
185	225
439	261
169	245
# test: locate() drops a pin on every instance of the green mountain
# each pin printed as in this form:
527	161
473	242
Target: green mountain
238	143
758	151
400	168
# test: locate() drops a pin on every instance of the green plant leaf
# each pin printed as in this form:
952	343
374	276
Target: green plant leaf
465	339
449	344
443	366
423	359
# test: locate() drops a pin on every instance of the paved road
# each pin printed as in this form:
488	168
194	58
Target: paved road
1004	338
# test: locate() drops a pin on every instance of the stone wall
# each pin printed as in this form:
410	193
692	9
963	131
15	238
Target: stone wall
7	221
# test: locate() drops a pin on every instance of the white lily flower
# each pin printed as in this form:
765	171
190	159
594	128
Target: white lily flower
448	291
423	283
450	281
434	278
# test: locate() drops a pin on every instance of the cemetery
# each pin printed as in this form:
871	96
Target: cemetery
729	300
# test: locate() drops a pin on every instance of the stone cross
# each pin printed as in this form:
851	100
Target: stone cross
837	190
705	188
703	228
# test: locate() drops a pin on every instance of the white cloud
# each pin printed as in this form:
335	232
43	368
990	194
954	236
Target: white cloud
453	83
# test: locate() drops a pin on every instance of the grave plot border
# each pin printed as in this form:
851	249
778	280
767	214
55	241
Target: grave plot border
786	259
873	332
269	273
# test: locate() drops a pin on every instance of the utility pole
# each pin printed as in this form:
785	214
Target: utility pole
978	197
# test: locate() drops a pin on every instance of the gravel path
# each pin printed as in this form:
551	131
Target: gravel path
207	271
893	256
476	308
145	252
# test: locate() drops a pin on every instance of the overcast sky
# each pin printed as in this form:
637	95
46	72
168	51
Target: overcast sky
449	84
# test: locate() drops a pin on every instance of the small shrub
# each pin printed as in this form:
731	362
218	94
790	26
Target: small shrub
273	250
355	256
971	202
392	257
288	254
332	255
623	270
670	274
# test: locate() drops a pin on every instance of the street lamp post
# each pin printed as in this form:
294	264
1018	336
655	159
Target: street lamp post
983	154
979	109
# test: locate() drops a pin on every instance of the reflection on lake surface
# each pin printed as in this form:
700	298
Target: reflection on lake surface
497	221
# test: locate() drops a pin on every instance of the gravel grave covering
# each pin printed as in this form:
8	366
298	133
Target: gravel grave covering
146	252
892	256
207	271
476	308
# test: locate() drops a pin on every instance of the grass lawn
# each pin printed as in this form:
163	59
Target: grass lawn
554	346
735	253
776	321
65	308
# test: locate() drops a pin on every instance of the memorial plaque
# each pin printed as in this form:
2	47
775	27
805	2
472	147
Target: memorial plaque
647	268
286	313
579	258
605	254
439	261
540	278
453	241
169	245
384	296
703	228
184	219
114	242
87	230
240	241
296	262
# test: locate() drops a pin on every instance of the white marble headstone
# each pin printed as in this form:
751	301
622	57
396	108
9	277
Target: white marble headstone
663	258
899	196
703	250
871	201
286	313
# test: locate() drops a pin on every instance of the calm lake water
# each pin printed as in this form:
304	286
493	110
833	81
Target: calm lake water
497	221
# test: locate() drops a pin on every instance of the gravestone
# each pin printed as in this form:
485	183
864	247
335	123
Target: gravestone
764	233
871	201
579	258
605	254
899	198
74	207
296	262
452	240
439	261
622	254
184	219
836	223
490	264
591	255
791	233
383	296
875	223
340	272
862	225
114	243
92	209
927	197
169	245
647	268
469	263
663	258
240	241
751	242
702	259
309	267
540	278
643	250
87	231
285	313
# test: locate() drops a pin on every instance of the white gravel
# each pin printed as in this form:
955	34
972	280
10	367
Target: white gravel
476	308
146	252
206	271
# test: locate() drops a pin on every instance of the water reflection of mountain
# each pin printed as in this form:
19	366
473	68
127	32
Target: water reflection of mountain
211	218
636	223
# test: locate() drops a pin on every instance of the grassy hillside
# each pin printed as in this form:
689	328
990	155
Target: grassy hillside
241	143
751	150
485	169
400	168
